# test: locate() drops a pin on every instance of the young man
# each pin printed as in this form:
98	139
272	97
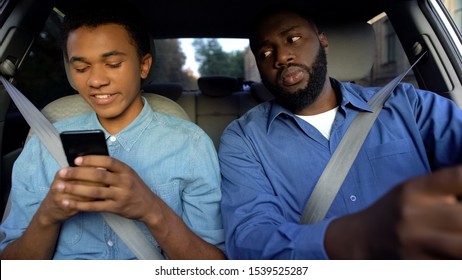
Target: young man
389	205
162	172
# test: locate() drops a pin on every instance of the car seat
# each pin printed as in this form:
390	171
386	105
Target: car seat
73	105
170	90
351	50
220	100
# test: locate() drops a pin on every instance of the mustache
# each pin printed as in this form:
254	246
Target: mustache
282	71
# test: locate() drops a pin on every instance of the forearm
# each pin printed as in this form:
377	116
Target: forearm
38	241
176	239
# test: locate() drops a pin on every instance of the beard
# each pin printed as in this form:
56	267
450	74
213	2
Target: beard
303	97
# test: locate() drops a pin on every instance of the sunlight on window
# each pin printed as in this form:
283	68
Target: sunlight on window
228	45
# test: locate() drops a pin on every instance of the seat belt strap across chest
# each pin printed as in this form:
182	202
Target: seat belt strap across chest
125	228
339	164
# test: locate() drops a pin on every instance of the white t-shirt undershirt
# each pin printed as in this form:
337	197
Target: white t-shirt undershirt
322	122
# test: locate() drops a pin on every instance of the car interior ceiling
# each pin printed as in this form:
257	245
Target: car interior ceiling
232	18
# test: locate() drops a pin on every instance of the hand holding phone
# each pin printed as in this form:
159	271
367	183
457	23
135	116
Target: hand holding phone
83	142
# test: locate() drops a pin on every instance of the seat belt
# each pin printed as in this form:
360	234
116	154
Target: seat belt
125	228
340	163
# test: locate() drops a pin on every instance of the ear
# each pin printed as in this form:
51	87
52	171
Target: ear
323	40
146	62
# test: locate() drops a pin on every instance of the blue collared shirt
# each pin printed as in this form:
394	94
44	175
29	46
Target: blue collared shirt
270	161
175	158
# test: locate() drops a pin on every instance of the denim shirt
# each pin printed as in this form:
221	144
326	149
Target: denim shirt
270	161
175	158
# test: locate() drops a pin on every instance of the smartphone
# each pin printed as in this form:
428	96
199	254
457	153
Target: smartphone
83	142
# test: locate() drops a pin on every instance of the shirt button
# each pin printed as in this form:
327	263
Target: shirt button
110	243
112	138
353	198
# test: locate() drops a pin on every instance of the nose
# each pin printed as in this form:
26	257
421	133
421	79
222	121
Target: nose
97	78
283	57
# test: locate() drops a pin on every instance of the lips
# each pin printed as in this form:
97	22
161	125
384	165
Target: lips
103	98
292	76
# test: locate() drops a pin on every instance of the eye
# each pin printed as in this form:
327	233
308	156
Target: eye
293	39
81	69
114	65
265	54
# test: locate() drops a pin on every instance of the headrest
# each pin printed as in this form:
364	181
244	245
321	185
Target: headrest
170	90
146	81
72	105
218	86
351	50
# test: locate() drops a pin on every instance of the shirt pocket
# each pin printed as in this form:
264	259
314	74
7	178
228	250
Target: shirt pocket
72	230
389	149
393	162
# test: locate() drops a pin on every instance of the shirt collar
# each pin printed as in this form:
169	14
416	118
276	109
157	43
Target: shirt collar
128	136
351	98
274	111
352	95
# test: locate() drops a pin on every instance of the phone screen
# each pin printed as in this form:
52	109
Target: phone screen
83	142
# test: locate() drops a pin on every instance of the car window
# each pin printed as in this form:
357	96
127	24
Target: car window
454	7
450	15
184	60
390	59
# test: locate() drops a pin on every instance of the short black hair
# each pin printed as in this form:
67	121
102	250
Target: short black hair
99	12
276	8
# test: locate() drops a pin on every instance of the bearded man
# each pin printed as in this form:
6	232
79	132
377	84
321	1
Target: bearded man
399	199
